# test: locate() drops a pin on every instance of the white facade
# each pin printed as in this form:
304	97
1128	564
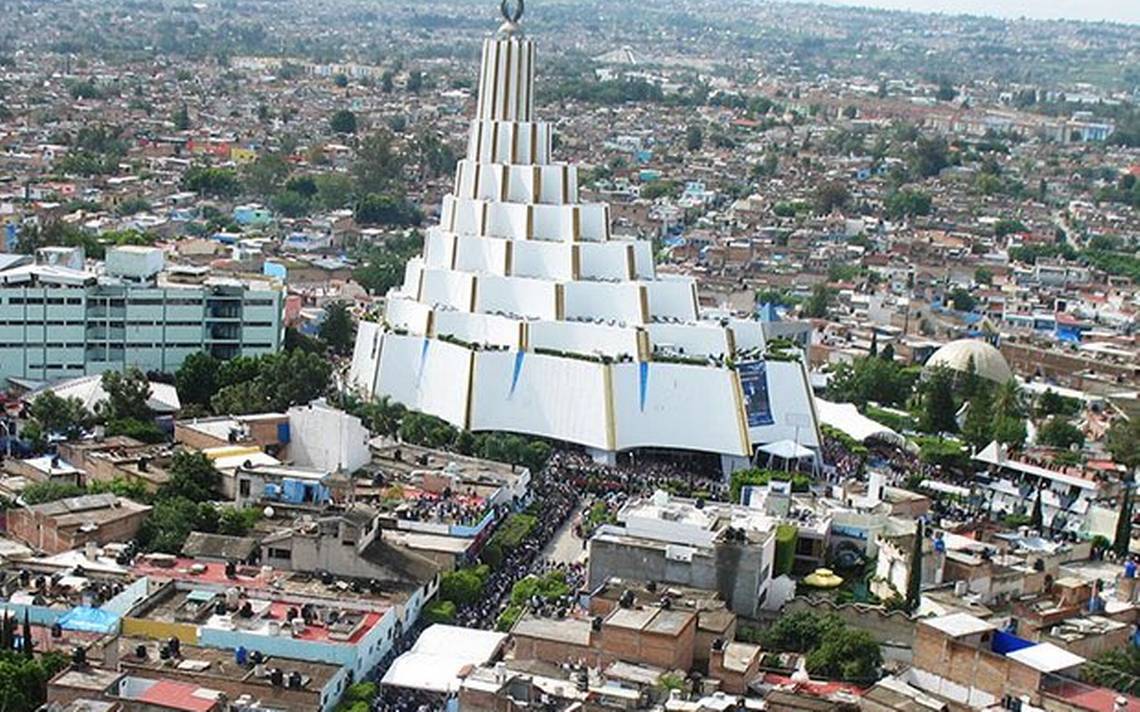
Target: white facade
327	439
526	314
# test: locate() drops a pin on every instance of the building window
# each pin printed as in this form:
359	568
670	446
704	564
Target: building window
280	553
243	487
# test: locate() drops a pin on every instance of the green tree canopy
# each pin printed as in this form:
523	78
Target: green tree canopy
871	379
1059	432
62	416
938	409
338	329
197	379
343	122
192	477
172	520
127	396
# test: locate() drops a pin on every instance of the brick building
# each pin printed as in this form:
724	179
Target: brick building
651	635
71	523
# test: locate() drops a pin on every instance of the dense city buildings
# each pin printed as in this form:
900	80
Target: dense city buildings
655	356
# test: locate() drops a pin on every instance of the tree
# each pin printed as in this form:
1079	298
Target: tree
377	209
434	156
929	157
23	679
415	81
907	203
341	80
40	492
59	416
127	395
290	204
181	118
888	353
273	382
377	165
1060	433
983	276
801	631
338	330
1037	519
343	122
197	379
212	182
831	196
463	586
334	191
27	644
938	403
172	520
192	477
914	575
1123	441
868	379
694	138
848	654
1009	226
1052	403
1122	538
818	304
978	429
1010	431
263	177
962	300
234	521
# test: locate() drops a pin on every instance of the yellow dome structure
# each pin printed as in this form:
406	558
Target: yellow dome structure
823	578
988	361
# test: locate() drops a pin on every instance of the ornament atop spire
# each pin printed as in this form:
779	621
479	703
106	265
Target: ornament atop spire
512	11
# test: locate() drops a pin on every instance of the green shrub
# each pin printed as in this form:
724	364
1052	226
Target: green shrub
440	612
786	536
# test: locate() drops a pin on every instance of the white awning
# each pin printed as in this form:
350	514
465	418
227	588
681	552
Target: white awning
846	418
440	654
788	450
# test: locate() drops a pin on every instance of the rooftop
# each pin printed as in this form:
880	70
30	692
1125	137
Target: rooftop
958	625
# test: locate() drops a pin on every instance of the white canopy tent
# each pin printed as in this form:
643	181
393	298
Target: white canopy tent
846	418
89	389
439	655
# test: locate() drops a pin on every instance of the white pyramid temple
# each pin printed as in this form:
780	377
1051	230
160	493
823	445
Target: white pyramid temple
526	314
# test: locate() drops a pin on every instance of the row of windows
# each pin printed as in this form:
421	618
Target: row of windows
118	323
41	300
120	346
33	323
57	367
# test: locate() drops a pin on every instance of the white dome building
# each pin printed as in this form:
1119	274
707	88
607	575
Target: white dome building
526	314
988	361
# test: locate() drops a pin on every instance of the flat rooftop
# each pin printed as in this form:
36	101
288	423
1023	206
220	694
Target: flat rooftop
217	663
650	620
89	678
571	631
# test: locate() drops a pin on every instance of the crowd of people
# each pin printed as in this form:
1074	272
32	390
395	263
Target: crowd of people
446	507
555	500
639	477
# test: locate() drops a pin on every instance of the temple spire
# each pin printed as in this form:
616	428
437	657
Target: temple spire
506	79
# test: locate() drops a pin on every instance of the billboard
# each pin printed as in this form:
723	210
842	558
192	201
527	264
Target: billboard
754	383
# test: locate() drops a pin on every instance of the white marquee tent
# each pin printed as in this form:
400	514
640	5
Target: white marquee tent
846	418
